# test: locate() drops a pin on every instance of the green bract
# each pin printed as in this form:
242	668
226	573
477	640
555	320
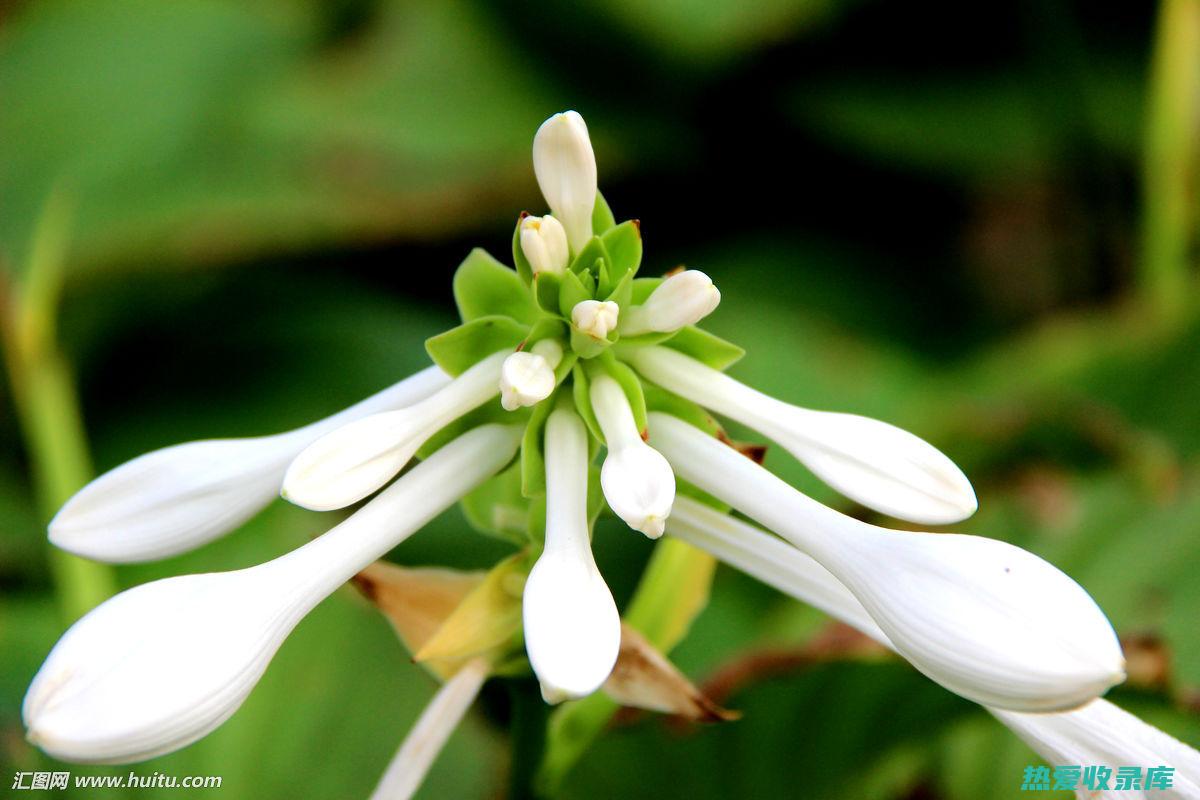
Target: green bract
512	308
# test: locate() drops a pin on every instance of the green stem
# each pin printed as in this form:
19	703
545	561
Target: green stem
529	713
47	404
672	591
1170	157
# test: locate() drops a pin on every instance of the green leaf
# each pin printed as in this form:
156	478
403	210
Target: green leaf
643	288
587	346
580	391
498	508
485	287
705	347
624	245
489	412
572	292
459	348
623	291
659	399
546	288
533	458
602	216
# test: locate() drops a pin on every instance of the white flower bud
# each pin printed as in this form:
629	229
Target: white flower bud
871	462
544	243
160	665
572	628
595	318
638	482
175	499
681	300
353	461
525	380
985	619
566	172
550	350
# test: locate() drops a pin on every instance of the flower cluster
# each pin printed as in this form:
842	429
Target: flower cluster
568	355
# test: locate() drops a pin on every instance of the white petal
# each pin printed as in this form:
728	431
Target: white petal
346	465
175	499
566	173
871	462
544	243
1096	733
159	666
439	719
595	318
683	299
985	619
526	379
638	482
572	628
1102	733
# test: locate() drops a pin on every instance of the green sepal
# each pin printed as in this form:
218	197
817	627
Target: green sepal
624	246
629	382
581	391
458	349
595	497
497	508
485	287
546	288
524	268
571	292
535	529
545	328
643	288
533	457
602	215
705	347
591	253
587	346
622	293
489	412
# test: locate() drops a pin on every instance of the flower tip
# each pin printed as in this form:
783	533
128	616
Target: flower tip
653	527
595	317
526	379
565	166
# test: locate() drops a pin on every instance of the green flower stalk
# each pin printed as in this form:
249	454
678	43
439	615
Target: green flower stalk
574	386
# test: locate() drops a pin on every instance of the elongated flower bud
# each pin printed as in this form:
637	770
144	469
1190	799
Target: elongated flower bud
348	464
175	499
439	719
638	482
160	665
572	628
595	318
544	243
682	299
871	462
1097	733
566	173
525	380
985	619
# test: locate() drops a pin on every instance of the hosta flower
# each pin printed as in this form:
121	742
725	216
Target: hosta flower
1096	733
572	386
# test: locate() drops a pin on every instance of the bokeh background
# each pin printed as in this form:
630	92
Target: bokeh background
975	221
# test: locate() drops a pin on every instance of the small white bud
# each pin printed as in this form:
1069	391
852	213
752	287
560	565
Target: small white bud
682	299
566	172
544	243
525	380
550	350
595	318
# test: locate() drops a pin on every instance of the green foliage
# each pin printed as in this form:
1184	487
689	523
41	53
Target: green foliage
460	348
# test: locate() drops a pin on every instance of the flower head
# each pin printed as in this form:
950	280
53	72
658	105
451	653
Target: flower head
566	172
544	244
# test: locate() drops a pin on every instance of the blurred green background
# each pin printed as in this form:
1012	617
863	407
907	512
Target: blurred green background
977	222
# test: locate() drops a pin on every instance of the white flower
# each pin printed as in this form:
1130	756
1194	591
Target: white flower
544	244
162	664
572	628
682	299
346	465
439	719
566	173
988	620
175	499
526	379
595	318
638	482
871	462
1096	733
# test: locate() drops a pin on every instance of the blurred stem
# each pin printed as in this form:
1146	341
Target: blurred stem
1170	165
47	404
672	592
529	713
